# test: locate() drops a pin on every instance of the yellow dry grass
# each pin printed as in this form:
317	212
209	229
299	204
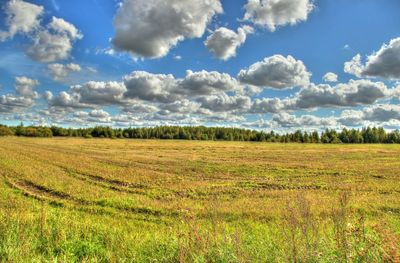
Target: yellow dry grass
139	200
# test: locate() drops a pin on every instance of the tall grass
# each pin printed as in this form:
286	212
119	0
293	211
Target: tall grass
64	201
48	234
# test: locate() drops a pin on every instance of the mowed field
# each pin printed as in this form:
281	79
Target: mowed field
102	200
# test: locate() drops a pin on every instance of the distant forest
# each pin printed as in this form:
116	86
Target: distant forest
365	135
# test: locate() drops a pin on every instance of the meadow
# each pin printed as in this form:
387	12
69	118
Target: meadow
105	200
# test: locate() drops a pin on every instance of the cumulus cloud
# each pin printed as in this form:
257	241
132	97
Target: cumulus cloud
375	114
221	117
89	95
49	43
11	103
93	117
124	120
101	114
210	96
277	72
351	118
354	66
224	42
80	114
206	83
100	93
274	13
199	96
21	17
184	106
286	120
150	28
60	72
225	103
353	93
267	105
382	113
384	63
250	90
150	87
26	87
23	99
166	88
47	95
65	100
140	108
54	42
330	77
146	93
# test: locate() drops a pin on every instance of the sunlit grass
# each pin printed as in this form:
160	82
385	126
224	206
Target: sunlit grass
101	200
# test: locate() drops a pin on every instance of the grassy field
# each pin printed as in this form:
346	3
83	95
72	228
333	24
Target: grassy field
101	200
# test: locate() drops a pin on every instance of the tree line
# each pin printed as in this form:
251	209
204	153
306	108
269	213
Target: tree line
364	135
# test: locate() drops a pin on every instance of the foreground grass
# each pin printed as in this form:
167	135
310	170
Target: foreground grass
74	200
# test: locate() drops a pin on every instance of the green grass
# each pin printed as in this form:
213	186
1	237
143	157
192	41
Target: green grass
100	200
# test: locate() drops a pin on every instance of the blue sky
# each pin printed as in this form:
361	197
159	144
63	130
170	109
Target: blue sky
110	70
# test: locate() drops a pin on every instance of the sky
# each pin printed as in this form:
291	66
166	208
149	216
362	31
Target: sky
276	65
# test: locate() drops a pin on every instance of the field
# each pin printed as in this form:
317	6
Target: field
102	200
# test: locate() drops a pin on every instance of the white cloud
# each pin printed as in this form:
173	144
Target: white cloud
286	120
353	93
210	96
225	103
151	97
150	87
224	42
60	26
206	83
250	90
80	114
21	17
60	72
274	13
150	28
23	99
89	95
351	118
11	103
140	108
54	42
93	117
166	88
354	66
48	95
277	72
376	113
382	113
49	43
65	100
267	105
184	106
100	93
101	114
26	87
330	77
385	63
